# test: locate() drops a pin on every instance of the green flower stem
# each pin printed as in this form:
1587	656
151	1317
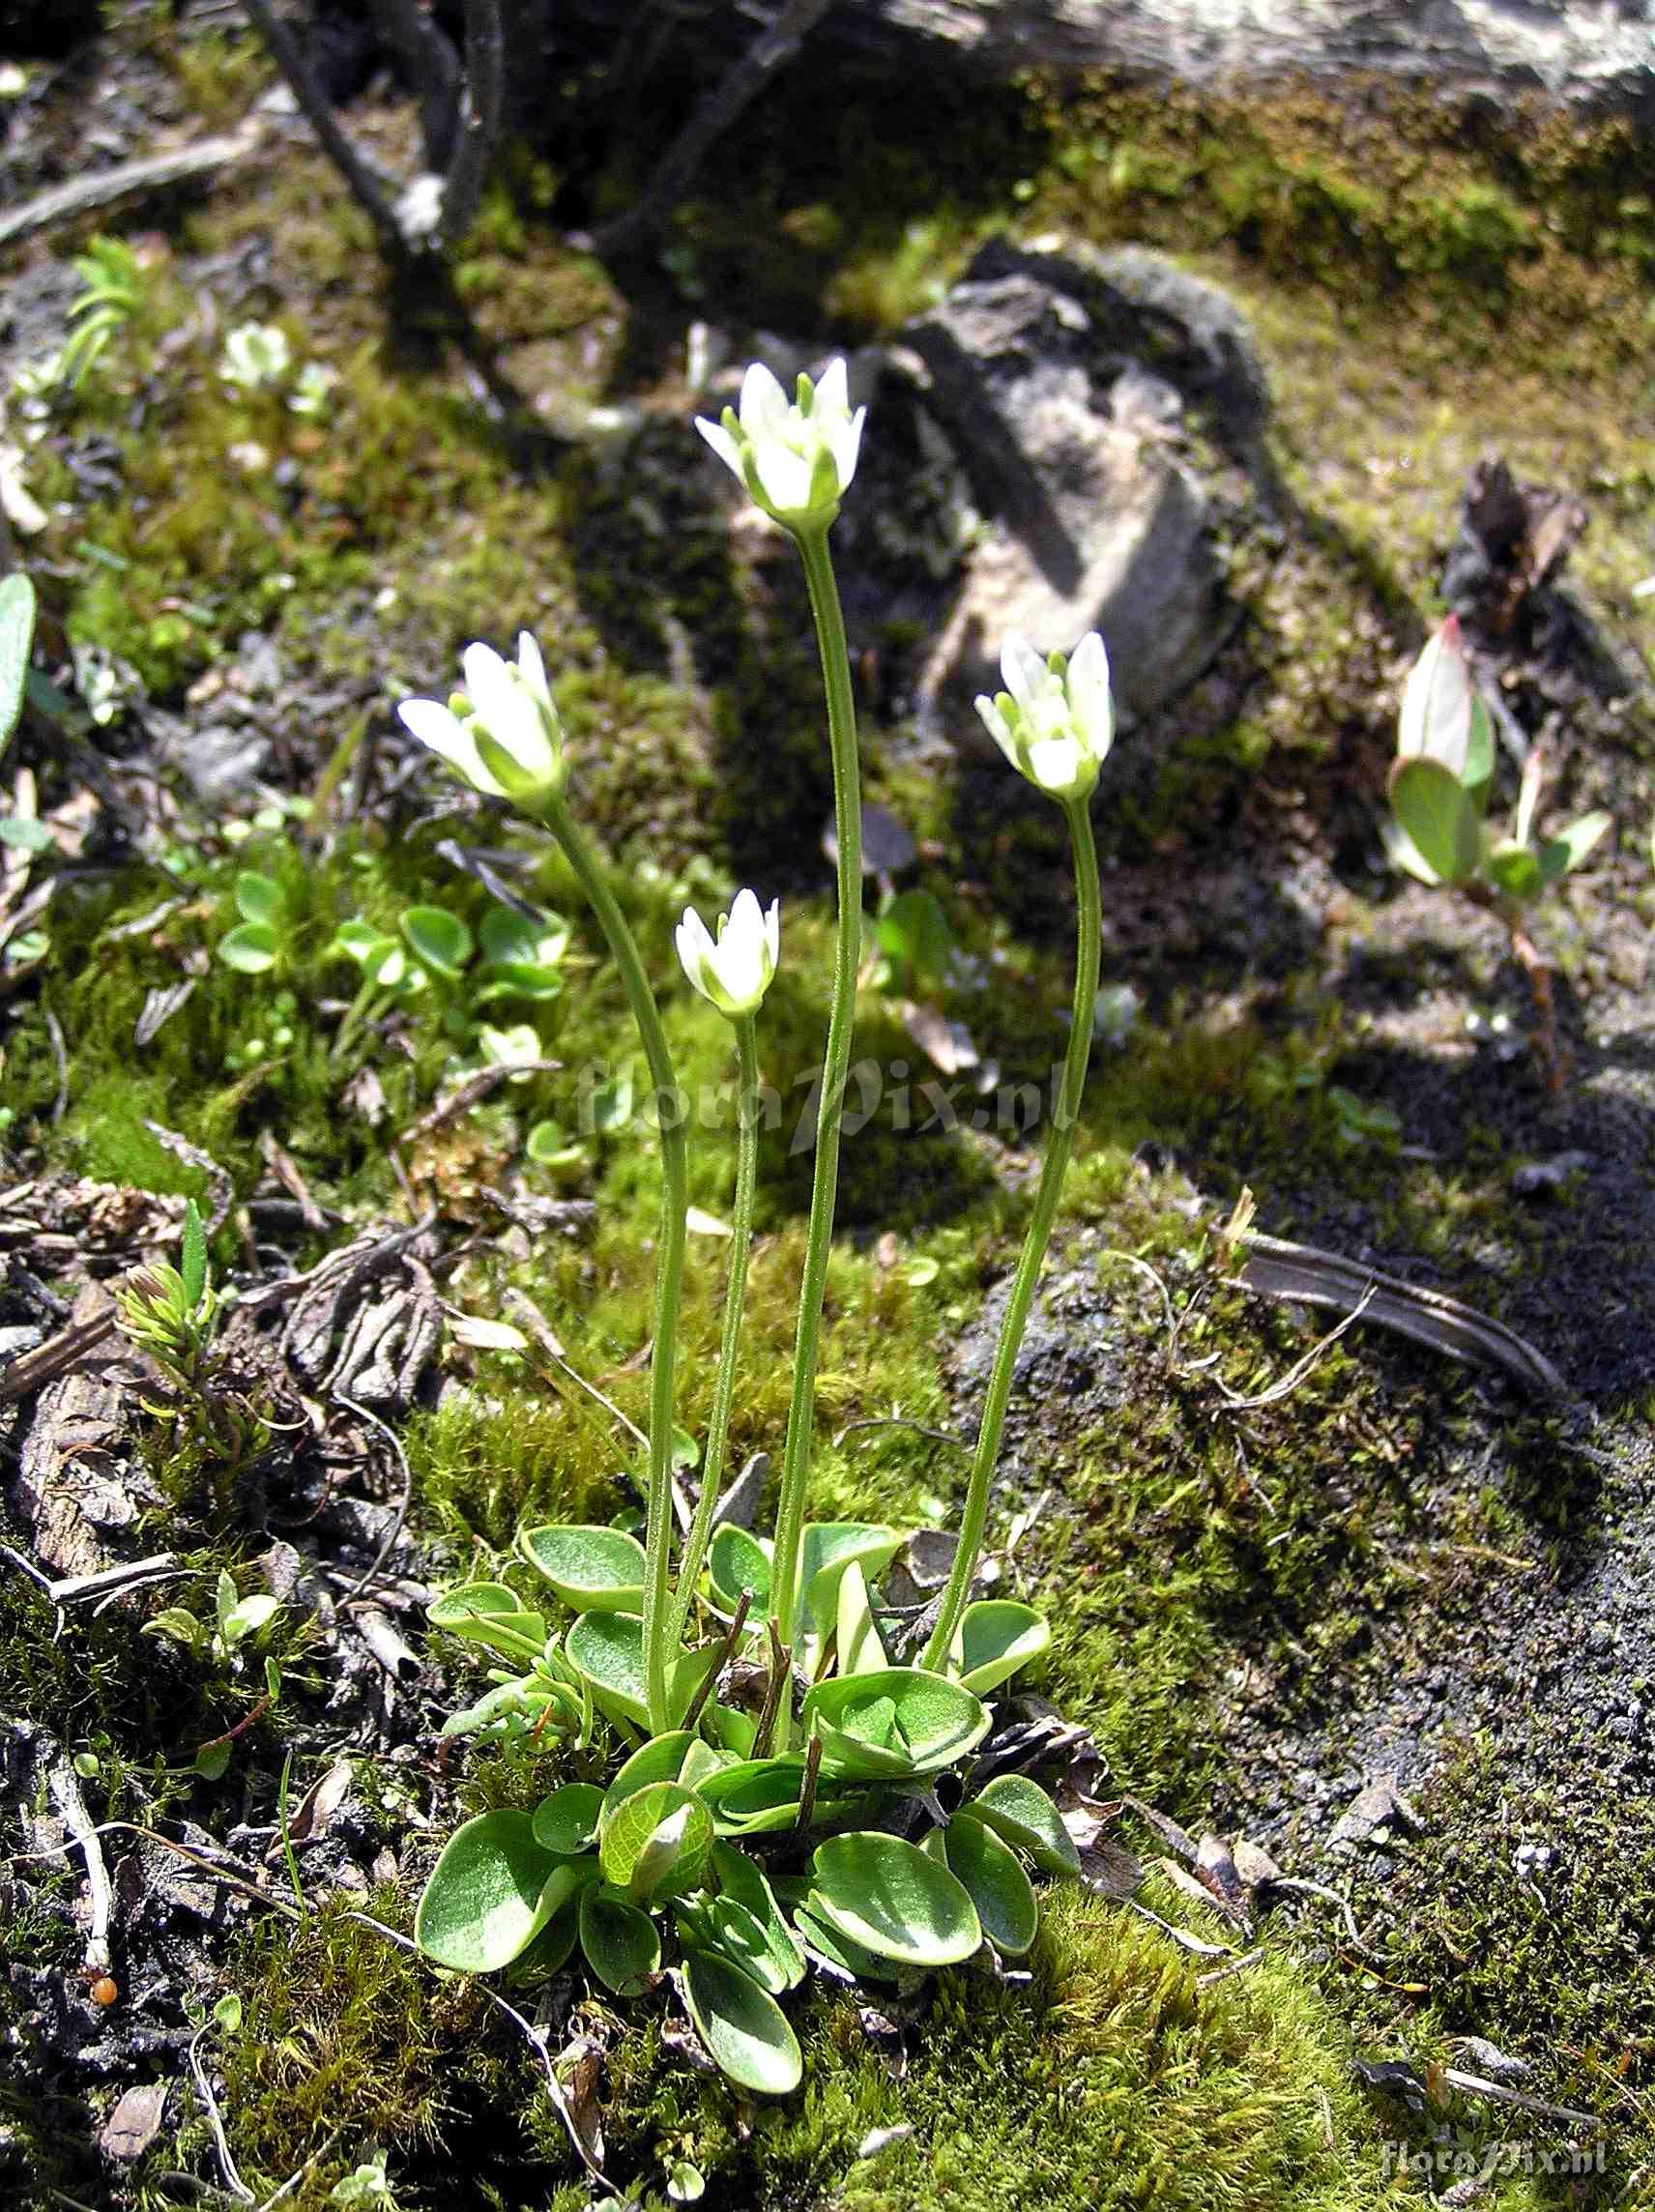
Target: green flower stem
362	1008
669	1265
836	1066
696	1543
1059	1147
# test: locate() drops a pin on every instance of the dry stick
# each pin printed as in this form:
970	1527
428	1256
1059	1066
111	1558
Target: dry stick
732	1637
480	122
237	1878
430	62
736	90
401	1514
293	2180
126	181
1301	1368
1296	1883
808	1794
360	180
781	1669
72	1811
210	2103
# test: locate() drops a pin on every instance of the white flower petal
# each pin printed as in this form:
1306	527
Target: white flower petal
1062	767
772	933
832	394
531	668
786	477
721	442
484	669
1436	703
764	407
1088	693
745	918
847	443
446	736
995	722
1023	669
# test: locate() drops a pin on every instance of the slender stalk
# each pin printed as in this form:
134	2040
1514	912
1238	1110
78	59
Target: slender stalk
669	1267
836	1066
1058	1145
694	1550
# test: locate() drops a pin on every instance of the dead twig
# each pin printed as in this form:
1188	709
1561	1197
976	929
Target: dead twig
60	1060
1288	1382
397	1519
233	2181
732	1637
65	1795
31	1371
531	2036
361	181
127	180
1275	1269
740	85
1332	1897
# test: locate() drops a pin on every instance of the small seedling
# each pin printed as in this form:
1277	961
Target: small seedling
219	1643
1440	786
235	1618
173	1312
112	292
259	941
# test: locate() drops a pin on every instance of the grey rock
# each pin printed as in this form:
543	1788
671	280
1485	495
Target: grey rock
1092	400
218	762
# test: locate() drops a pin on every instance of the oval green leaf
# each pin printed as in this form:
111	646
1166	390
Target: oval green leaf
656	1843
736	1563
996	1637
826	1550
1573	845
1435	811
743	2026
260	898
567	1822
819	1936
738	1878
622	1945
660	1760
489	1895
606	1649
890	1898
1020	1811
592	1569
438	938
252	949
993	1878
488	1612
517	981
897	1721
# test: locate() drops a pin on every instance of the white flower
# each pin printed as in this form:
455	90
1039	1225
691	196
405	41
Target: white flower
257	355
506	741
795	458
732	970
1442	719
1055	721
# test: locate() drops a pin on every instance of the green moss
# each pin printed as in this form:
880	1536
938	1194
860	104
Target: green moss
1557	1966
1106	2070
346	2041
